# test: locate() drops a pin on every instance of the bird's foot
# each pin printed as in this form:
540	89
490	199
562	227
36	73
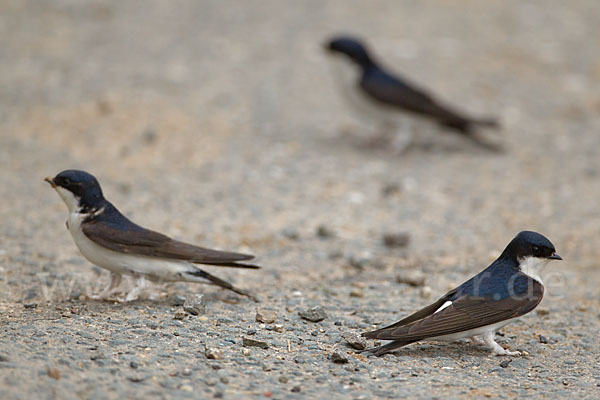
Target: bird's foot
504	352
477	340
497	350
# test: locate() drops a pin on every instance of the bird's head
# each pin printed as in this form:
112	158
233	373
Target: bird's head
531	245
79	190
350	47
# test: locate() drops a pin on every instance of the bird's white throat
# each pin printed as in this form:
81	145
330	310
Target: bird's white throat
532	266
69	198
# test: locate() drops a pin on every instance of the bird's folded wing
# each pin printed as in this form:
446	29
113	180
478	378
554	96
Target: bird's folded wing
422	313
464	314
387	89
145	242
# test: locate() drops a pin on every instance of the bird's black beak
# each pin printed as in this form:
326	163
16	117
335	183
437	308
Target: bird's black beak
554	256
50	181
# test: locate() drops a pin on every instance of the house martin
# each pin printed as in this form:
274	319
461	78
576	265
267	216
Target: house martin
111	241
509	288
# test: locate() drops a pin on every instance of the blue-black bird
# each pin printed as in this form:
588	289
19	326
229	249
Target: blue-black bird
389	92
509	288
111	241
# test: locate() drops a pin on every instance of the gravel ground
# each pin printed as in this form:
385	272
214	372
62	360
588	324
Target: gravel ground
219	123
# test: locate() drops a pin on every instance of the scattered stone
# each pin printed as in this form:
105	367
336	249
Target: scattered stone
359	262
249	342
505	363
296	389
411	278
134	364
355	341
136	379
314	314
357	293
195	304
179	315
186	372
266	316
390	188
324	232
213	354
177	300
282	379
278	328
396	240
246	352
425	292
543	339
30	305
542	311
224	380
339	358
291	233
53	373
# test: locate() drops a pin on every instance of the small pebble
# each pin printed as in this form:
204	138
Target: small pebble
339	358
53	373
249	342
213	354
396	240
177	300
296	389
324	232
505	363
246	352
314	314
195	304
355	341
282	379
543	339
411	278
179	315
425	292
266	316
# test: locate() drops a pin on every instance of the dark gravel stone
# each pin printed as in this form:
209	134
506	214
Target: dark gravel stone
339	358
396	239
314	314
177	300
325	232
505	363
543	339
195	304
355	341
249	342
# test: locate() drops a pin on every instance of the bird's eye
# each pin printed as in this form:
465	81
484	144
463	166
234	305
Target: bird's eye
66	181
535	248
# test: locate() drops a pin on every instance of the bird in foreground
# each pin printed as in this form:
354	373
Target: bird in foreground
389	92
509	288
111	241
